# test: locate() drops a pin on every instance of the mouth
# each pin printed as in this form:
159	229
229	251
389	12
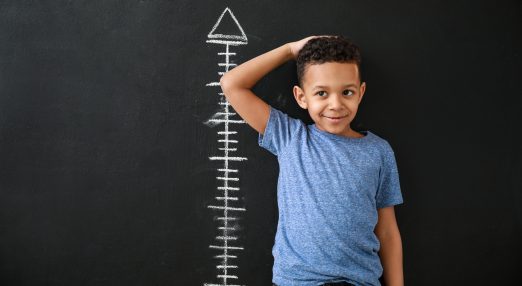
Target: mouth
335	119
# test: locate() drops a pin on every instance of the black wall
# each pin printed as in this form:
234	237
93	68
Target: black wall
105	176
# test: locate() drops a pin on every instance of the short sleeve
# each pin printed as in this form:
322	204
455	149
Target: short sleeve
389	190
279	131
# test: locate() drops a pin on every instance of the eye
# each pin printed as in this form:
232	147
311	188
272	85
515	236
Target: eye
346	92
321	93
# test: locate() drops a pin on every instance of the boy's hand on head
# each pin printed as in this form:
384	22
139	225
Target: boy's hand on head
296	46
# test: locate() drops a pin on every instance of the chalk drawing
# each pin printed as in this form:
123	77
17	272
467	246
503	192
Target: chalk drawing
227	197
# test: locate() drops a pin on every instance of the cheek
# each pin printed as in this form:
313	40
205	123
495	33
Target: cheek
353	107
315	108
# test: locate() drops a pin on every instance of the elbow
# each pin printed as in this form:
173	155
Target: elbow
231	84
227	85
224	82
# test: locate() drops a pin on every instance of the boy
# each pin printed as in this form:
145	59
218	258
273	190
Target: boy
337	187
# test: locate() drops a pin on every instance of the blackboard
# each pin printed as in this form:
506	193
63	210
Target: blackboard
109	121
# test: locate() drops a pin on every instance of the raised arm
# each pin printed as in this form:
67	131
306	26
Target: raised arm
237	83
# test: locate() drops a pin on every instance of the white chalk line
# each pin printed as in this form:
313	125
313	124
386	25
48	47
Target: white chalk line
227	132
228	188
227	247
227	227
225	42
228	141
228	170
226	121
227	208
227	237
228	218
226	266
226	65
226	114
227	198
226	159
225	256
227	179
227	276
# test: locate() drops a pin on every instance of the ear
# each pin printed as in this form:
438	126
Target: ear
362	89
300	97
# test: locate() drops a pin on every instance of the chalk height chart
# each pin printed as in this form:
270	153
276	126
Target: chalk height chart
226	201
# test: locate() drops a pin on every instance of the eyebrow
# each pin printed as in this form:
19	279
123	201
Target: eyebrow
324	87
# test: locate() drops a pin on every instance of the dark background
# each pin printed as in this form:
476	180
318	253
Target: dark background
105	177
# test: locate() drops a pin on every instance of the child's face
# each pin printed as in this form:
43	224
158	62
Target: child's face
331	92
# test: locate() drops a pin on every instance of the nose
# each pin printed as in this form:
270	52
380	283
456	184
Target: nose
335	101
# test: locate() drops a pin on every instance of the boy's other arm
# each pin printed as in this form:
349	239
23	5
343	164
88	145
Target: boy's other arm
238	82
391	247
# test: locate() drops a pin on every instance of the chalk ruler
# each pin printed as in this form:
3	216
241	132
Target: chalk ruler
227	191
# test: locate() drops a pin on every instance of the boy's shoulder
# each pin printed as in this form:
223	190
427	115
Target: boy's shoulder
379	142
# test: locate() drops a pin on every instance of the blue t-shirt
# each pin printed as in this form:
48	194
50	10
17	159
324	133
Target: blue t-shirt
328	191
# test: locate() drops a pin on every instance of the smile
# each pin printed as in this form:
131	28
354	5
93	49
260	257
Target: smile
335	119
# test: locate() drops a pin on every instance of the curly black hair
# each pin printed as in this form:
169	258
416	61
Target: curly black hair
327	49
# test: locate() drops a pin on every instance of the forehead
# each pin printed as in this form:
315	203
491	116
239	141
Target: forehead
331	73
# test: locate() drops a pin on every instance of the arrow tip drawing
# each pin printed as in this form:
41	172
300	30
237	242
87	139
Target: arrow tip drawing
236	33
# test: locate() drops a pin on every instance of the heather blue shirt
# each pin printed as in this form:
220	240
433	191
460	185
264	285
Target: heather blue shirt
328	192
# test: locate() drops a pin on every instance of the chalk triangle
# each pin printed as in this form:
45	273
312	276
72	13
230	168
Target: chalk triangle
227	28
